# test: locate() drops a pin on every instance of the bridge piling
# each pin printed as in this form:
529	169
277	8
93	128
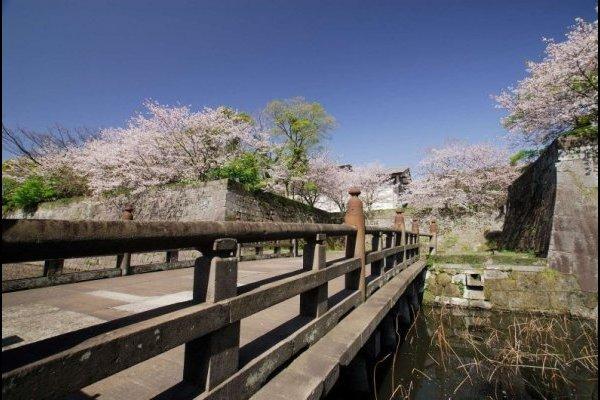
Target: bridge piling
214	357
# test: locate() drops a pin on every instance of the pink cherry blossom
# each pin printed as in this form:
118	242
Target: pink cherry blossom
462	176
558	91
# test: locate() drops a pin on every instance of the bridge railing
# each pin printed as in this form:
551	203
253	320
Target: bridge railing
209	324
55	273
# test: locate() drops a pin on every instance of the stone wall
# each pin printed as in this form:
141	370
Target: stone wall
527	288
530	206
574	238
209	201
552	209
265	206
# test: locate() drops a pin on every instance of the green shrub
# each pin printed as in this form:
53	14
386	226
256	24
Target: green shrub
244	169
584	130
29	193
523	155
8	187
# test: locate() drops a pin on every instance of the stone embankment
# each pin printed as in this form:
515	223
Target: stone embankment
527	286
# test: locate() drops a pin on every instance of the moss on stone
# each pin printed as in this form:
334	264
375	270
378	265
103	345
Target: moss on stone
428	297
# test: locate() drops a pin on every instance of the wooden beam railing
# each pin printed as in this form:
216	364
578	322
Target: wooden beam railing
259	253
209	326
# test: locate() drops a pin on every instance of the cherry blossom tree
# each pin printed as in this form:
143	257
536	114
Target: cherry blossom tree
560	93
462	176
163	145
373	180
330	181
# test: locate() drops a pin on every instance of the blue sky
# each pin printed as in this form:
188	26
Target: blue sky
399	76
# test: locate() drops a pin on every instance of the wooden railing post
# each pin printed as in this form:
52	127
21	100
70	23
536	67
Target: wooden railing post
124	260
376	266
399	224
276	248
355	244
390	241
172	256
53	267
313	303
295	248
212	358
433	240
415	230
238	252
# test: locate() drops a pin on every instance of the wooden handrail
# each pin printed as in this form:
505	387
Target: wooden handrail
40	239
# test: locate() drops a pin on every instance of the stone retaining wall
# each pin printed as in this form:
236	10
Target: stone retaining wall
208	201
509	287
552	209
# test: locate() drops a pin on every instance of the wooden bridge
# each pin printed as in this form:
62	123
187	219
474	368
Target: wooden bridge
289	335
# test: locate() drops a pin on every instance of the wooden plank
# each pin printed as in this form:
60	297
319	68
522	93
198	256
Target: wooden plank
144	268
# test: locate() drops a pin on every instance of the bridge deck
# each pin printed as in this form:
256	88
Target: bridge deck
313	373
39	313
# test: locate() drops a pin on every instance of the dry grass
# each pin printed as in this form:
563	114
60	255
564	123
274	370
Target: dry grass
540	355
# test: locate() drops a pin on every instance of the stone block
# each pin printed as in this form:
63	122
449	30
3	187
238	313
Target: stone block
494	274
473	294
459	279
443	279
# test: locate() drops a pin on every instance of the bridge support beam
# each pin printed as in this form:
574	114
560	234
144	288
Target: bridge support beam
388	332
212	358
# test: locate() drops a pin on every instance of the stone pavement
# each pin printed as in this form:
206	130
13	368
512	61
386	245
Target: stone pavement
31	315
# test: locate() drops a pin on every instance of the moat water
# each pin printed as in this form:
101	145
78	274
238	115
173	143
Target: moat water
460	354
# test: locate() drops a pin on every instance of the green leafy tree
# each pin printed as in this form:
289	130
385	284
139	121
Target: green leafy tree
247	169
300	127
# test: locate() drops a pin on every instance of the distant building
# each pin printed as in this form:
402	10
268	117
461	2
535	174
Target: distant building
400	177
390	198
